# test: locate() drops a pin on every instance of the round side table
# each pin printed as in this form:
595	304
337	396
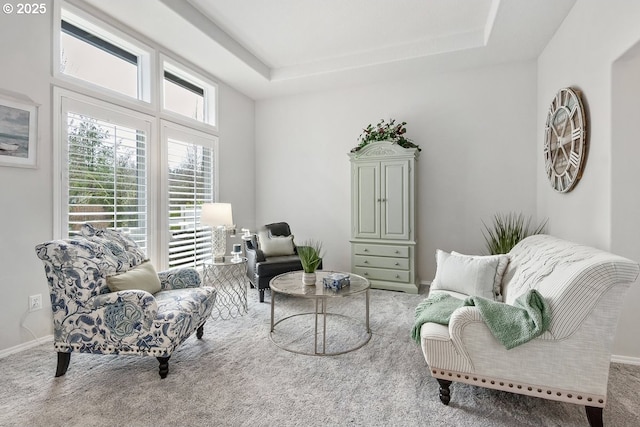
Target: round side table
229	278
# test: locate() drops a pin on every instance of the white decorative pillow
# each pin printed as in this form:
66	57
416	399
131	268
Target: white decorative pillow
465	274
142	277
503	262
276	245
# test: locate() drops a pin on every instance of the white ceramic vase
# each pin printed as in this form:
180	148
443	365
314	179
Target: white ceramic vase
309	279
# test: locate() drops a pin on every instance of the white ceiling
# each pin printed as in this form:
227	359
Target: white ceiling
269	48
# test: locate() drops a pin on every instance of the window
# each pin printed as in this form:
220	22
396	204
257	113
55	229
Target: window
190	168
102	56
188	95
106	173
90	58
127	164
183	97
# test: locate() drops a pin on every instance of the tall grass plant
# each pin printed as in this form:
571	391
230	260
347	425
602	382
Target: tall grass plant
507	230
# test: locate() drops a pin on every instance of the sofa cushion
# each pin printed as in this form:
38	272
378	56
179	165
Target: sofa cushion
185	303
276	245
142	277
503	262
465	274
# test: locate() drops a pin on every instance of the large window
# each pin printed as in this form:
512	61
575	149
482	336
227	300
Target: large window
105	172
142	167
190	167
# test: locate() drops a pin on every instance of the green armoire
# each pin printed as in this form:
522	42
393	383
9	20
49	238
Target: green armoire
383	211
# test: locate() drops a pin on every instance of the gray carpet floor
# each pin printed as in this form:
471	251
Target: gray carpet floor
236	376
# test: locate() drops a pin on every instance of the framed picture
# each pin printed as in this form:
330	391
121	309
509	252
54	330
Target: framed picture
18	133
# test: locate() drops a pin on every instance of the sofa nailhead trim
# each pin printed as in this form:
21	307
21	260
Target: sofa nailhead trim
565	397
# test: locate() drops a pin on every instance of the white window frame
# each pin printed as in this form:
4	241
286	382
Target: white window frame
173	130
146	66
209	87
71	101
162	123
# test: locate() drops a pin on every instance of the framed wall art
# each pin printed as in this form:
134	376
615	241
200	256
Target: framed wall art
18	133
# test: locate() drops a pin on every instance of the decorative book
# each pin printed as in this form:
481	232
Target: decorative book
336	281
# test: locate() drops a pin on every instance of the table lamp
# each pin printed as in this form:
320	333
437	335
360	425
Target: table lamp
219	217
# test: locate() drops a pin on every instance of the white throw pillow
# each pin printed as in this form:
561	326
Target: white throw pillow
276	245
468	275
503	262
142	277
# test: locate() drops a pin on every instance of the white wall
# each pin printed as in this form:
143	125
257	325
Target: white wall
25	194
602	209
477	132
625	226
26	214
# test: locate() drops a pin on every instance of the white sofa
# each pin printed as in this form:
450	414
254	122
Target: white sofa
584	289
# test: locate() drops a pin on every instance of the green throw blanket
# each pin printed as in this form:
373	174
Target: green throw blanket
512	325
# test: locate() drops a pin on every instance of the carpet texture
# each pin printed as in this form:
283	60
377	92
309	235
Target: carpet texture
235	376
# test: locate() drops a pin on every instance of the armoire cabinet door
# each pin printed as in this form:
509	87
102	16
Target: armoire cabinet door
394	213
366	209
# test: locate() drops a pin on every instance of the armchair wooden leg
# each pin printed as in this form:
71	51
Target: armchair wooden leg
200	332
63	363
594	415
261	295
445	393
164	366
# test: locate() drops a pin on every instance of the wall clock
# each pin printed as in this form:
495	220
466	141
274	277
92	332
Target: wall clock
565	143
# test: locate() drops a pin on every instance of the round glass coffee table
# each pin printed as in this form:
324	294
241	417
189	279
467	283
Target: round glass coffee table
290	284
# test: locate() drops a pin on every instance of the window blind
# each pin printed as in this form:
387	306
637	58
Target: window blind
107	176
190	184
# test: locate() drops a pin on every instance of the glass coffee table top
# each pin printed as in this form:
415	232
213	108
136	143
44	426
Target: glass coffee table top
291	284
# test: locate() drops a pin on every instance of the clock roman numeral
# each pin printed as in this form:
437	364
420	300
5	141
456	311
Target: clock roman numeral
576	134
574	159
573	111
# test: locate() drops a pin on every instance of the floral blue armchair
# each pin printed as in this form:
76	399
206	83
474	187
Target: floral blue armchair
88	317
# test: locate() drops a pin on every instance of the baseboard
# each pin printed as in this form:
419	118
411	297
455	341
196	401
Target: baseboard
25	346
625	360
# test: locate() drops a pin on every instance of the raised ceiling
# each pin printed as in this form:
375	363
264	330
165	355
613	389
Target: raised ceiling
269	48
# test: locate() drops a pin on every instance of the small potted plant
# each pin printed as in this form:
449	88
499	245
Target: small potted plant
310	254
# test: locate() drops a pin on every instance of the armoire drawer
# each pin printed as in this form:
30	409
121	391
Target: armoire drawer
383	274
381	262
381	250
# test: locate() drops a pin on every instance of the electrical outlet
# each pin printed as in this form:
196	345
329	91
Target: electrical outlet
35	302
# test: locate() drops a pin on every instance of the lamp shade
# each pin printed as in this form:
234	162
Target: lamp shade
215	214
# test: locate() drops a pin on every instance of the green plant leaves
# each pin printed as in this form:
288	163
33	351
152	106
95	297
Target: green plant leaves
384	131
310	254
507	230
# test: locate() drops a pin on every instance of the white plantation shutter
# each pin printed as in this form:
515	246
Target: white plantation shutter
105	158
105	169
190	172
